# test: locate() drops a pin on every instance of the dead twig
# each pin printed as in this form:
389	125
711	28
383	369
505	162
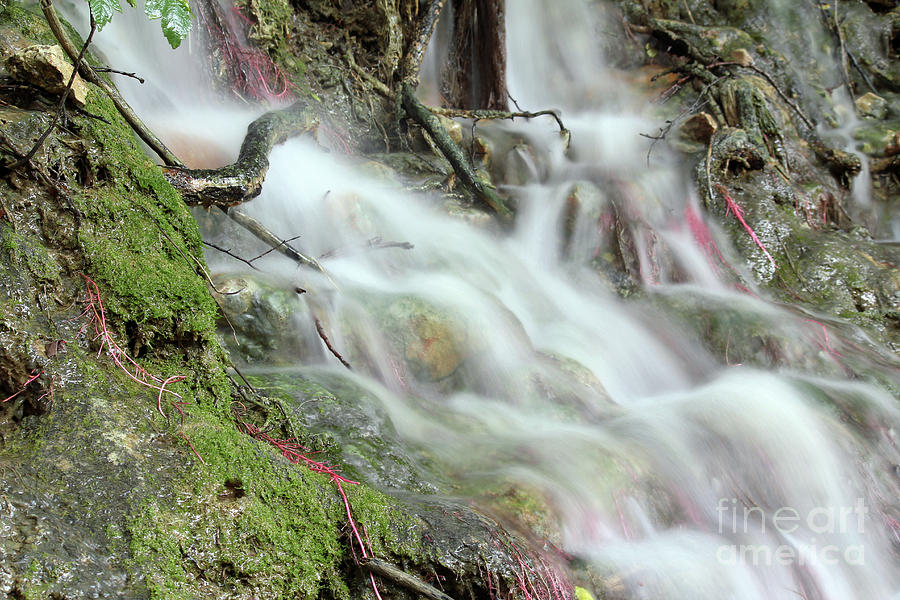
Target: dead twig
266	236
91	75
321	331
117	72
231	254
257	257
482	114
400	577
695	106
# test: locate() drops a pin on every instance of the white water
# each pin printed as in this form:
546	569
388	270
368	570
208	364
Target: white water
649	473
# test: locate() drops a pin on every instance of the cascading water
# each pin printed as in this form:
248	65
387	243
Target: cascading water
672	475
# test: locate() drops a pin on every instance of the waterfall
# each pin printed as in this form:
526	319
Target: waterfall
671	474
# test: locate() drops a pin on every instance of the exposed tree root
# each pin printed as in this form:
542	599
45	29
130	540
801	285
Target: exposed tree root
843	165
243	179
412	59
886	165
694	62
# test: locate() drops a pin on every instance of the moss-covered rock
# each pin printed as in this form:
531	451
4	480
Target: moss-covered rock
111	485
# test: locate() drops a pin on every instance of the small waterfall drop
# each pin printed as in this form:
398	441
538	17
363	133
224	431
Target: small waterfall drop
673	475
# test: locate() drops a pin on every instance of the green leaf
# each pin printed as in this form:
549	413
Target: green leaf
103	10
175	15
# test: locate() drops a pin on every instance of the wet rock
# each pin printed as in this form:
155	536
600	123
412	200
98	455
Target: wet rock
878	138
48	68
871	106
350	208
867	37
734	10
378	171
464	211
424	343
893	147
453	127
733	148
698	128
882	5
583	210
432	341
457	539
262	322
571	387
745	103
483	150
520	165
742	57
710	41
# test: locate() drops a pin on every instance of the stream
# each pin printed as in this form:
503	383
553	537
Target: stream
509	361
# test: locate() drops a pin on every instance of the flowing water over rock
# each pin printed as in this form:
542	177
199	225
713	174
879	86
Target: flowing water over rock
509	363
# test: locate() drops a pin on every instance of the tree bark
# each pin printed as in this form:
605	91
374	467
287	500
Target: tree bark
475	75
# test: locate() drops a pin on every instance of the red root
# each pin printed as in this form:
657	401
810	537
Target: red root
732	207
97	317
541	583
25	385
249	70
704	238
298	454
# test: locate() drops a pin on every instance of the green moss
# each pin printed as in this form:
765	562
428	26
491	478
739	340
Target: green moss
140	242
875	137
29	23
251	521
29	253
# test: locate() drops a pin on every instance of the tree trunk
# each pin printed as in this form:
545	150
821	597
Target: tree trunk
475	74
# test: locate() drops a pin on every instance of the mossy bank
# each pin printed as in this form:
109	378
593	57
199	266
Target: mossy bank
107	489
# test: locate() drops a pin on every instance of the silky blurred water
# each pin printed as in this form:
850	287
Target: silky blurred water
674	475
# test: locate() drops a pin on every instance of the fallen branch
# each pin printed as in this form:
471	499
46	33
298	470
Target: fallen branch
266	236
885	165
483	114
482	190
400	577
122	73
243	179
